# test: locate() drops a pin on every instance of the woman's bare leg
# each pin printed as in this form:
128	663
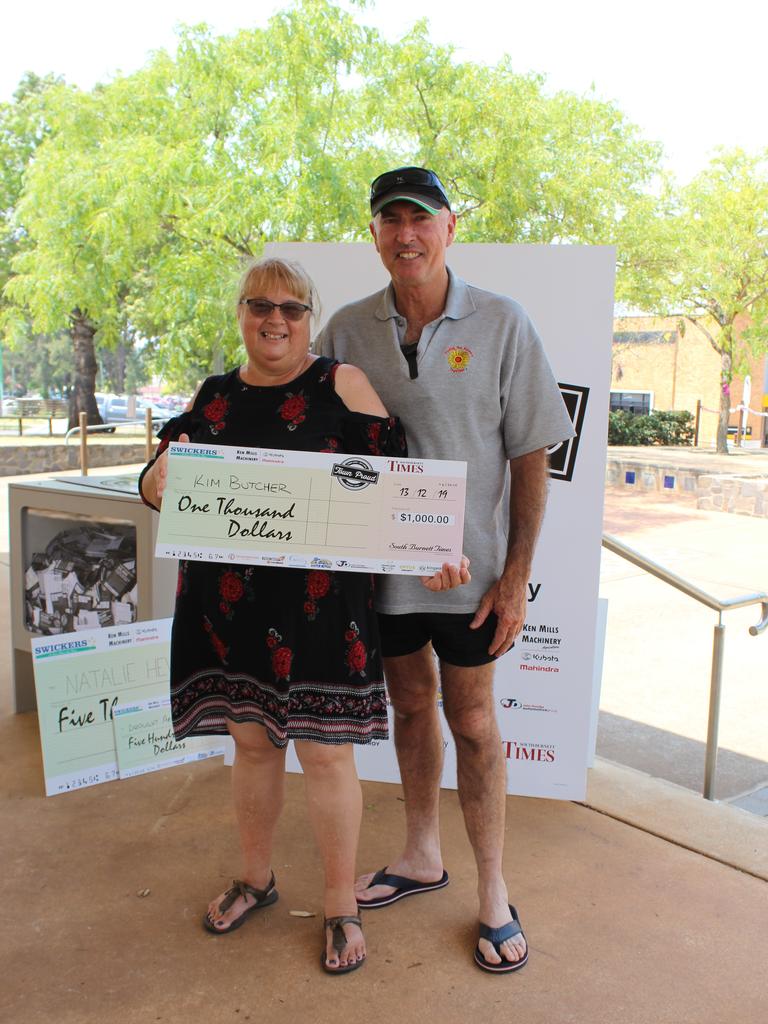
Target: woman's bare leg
335	811
258	788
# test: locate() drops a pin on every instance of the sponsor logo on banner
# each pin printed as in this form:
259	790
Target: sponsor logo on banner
52	650
544	659
321	563
562	457
513	704
541	753
540	637
119	638
198	453
355	473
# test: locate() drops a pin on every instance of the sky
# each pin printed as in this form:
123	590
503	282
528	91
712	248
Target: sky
691	74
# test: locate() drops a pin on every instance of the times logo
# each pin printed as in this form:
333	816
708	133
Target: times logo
562	457
542	753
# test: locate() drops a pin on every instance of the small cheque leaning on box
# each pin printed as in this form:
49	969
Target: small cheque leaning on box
352	513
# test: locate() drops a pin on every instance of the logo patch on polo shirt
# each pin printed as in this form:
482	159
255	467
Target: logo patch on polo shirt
458	358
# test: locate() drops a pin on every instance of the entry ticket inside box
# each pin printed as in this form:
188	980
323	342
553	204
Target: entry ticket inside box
352	513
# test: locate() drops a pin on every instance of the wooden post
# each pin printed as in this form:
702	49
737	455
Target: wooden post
83	421
697	424
148	431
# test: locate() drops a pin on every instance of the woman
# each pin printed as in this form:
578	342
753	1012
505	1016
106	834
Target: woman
271	654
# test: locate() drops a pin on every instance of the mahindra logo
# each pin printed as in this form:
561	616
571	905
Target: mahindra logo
562	457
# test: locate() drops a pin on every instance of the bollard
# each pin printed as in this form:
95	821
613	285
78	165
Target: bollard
83	420
148	432
710	766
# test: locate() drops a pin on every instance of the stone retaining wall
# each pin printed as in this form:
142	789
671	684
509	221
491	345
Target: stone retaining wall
747	495
14	461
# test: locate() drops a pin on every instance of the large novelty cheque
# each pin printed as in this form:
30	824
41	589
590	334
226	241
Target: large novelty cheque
312	509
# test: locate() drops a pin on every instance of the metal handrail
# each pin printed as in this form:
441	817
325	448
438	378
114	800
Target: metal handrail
94	428
718	643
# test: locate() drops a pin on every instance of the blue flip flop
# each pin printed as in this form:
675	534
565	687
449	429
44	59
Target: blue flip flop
403	887
496	936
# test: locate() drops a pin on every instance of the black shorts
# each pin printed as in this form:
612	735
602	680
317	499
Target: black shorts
452	639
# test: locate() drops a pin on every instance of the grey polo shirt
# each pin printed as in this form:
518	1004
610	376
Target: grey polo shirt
484	393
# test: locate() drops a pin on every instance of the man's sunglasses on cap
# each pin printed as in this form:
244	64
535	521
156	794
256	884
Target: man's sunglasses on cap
415	184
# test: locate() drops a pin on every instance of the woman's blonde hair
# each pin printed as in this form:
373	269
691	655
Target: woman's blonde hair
260	276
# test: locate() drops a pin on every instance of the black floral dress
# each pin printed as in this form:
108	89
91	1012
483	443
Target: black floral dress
296	650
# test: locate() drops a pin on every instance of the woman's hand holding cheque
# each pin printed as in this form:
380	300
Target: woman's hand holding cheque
155	480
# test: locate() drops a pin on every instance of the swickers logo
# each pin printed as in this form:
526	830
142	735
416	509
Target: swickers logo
458	358
562	457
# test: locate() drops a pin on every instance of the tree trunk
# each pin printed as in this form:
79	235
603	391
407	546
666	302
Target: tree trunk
81	397
725	404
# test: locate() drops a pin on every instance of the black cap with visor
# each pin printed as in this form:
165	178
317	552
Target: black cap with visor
413	184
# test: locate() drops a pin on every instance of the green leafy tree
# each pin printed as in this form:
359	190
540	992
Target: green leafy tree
22	129
707	263
524	166
75	269
150	192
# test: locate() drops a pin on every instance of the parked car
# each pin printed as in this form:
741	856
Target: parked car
117	408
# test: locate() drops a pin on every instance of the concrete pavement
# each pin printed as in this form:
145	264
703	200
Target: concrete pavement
645	905
657	667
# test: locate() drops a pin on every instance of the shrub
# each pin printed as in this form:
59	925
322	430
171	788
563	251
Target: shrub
668	428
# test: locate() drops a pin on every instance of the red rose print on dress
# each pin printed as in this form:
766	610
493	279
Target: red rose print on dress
318	583
357	655
216	642
294	409
215	412
282	656
318	586
231	587
374	438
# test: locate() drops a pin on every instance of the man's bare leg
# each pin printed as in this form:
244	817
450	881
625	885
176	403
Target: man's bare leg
468	706
412	685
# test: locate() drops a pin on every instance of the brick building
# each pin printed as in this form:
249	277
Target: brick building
657	366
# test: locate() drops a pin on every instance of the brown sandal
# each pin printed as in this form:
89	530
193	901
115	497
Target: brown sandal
263	898
340	943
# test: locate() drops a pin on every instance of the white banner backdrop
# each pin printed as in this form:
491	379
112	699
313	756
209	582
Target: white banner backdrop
544	684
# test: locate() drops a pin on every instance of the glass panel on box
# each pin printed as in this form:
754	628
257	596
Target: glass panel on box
79	572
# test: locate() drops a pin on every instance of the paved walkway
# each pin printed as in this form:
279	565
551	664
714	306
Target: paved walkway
656	674
645	905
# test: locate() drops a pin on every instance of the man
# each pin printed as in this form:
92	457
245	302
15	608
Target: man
465	371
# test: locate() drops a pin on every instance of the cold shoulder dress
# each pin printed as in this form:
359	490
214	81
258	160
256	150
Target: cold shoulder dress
295	650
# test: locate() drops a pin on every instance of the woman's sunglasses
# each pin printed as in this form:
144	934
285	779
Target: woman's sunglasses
263	307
